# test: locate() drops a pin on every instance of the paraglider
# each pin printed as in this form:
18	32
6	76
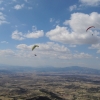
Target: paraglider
35	55
89	28
34	47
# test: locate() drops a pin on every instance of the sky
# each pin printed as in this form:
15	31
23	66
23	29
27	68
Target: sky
57	26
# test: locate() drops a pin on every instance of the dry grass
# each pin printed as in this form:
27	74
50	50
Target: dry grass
60	86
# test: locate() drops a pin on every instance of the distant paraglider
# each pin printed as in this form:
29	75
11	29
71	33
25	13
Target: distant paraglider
89	28
34	47
35	55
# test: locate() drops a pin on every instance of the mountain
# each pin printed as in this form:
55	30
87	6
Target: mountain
68	70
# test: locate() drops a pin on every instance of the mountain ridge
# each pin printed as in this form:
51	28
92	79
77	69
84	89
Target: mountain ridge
71	69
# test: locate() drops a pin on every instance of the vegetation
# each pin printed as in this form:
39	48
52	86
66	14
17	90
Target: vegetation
49	86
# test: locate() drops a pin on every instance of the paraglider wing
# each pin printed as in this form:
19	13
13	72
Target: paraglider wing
89	28
34	47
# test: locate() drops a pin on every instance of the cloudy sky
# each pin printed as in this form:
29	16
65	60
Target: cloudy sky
57	26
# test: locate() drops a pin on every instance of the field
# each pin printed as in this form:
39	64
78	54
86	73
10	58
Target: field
50	86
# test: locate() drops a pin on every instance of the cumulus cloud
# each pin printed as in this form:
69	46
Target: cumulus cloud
63	35
23	47
49	53
2	18
95	46
75	56
73	7
77	34
17	35
21	36
72	45
49	46
49	49
90	2
35	34
52	50
80	21
82	55
7	52
17	7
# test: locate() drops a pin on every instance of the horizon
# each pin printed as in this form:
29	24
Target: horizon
4	66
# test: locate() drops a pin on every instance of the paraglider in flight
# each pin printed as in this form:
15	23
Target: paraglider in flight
34	47
35	55
89	28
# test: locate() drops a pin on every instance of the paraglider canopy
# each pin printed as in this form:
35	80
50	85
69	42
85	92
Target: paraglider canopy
89	28
34	47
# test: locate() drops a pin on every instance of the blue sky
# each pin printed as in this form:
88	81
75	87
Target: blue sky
57	26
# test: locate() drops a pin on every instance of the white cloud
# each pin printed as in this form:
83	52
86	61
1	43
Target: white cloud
4	42
17	7
51	19
95	46
72	45
2	18
80	21
50	53
52	50
45	50
34	34
90	2
73	7
23	47
7	52
49	46
82	55
17	35
77	34
61	34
